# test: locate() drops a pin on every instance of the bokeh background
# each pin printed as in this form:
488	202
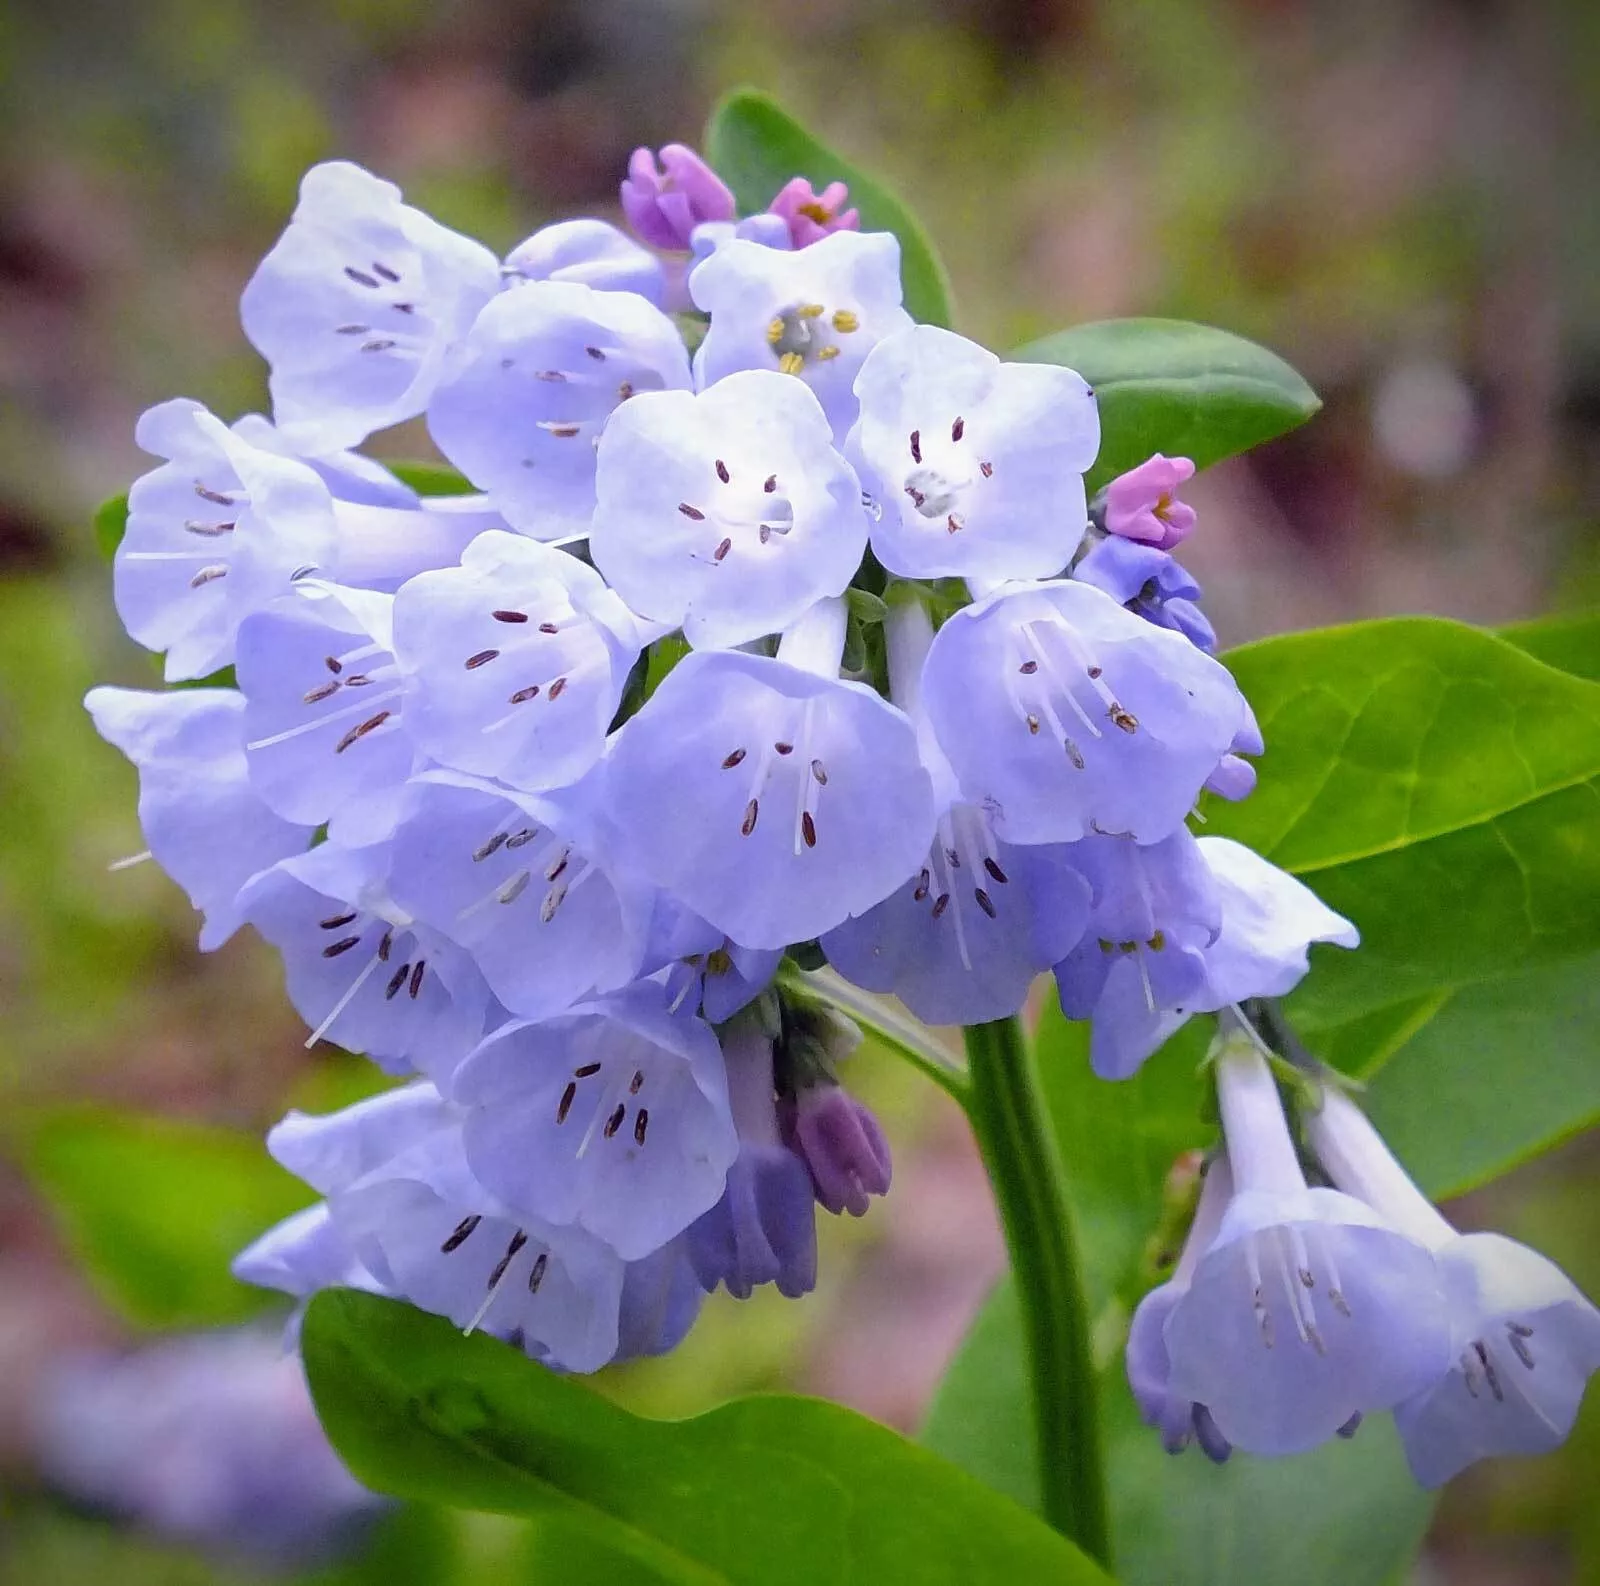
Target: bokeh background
1398	195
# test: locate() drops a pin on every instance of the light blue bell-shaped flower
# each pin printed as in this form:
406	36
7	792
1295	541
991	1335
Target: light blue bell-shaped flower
542	370
359	306
588	253
975	466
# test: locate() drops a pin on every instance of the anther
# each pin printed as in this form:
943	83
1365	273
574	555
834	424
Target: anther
554	376
334	921
844	321
416	979
940	904
987	470
379	344
1518	1336
356	680
1095	671
1156	944
1490	1375
514	888
209	531
820	772
558	688
536	1274
463	1232
482	658
828	353
389	275
641	1122
808	829
722	550
1123	719
614	1122
509	616
784	748
994	870
493	846
751	811
1033	724
774	331
554	872
206	493
397	980
693	513
952	857
733	759
771	484
636	1084
952	524
625	390
568	1096
343	945
916	446
552	901
722	471
386	945
523	695
596	354
791	363
548	627
985	902
371	724
588	1071
958	429
208	575
360	277
923	882
810	311
1028	668
518	1240
1074	753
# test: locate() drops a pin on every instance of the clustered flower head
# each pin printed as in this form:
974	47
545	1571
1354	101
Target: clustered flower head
797	635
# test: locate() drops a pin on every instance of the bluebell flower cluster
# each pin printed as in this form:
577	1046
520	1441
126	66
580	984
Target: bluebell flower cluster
777	624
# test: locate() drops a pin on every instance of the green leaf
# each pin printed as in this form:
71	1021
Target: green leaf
432	479
770	1489
110	524
1348	1512
1166	385
155	1208
1437	785
1570	643
756	147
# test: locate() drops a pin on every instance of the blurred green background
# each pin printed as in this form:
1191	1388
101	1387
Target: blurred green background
1398	196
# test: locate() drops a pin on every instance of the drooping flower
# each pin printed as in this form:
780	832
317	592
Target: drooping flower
1142	504
1140	967
1065	715
543	368
513	662
727	512
961	939
589	253
814	314
402	1196
360	970
214	533
1151	584
810	215
521	882
796	799
1181	927
1307	1309
323	705
358	306
612	1117
666	194
1524	1340
705	970
206	825
842	1145
1180	1420
764	1227
661	1298
206	1439
975	466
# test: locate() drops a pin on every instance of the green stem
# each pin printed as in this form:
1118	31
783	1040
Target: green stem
1019	1152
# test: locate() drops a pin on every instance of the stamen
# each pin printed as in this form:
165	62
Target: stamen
558	687
360	277
958	429
548	627
586	1071
313	695
130	860
984	901
518	1240
820	772
733	759
636	1084
692	513
343	945
385	944
509	616
206	493
916	446
722	471
523	695
388	274
379	344
357	733
614	1122
844	321
808	829
343	1003
392	990
641	1122
751	811
493	846
416	979
771	484
463	1232
209	530
482	658
722	550
208	575
784	748
986	469
1490	1375
923	882
940	904
334	921
542	1261
514	888
596	354
568	1096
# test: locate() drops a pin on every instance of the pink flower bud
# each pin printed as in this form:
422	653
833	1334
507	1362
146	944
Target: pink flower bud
666	196
841	1143
1143	504
811	215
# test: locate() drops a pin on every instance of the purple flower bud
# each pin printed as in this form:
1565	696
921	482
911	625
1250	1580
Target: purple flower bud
841	1143
811	215
1142	504
667	194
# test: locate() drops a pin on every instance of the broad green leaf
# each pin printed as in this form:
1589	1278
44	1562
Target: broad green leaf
756	147
110	523
1166	385
770	1489
1568	642
1437	785
1349	1512
155	1208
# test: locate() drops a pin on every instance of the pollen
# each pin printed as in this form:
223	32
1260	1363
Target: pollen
844	321
825	353
810	311
775	332
791	363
